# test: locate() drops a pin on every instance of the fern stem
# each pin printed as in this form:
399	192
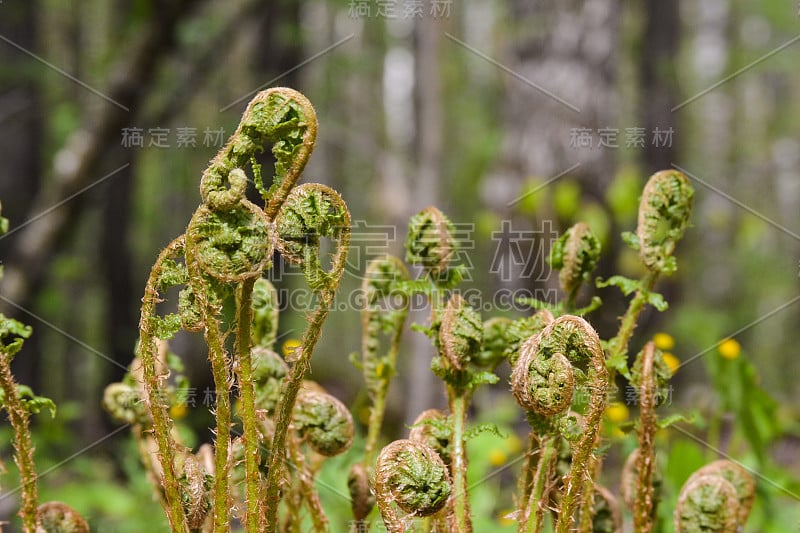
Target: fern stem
248	404
534	511
645	462
221	374
458	408
619	344
283	413
23	447
158	410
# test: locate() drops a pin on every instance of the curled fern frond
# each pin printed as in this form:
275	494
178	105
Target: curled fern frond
432	428
323	422
265	314
495	340
195	485
523	329
269	369
430	242
58	517
707	503
125	404
460	333
313	212
544	385
230	245
361	498
412	476
742	481
606	514
663	218
575	255
573	339
278	116
384	314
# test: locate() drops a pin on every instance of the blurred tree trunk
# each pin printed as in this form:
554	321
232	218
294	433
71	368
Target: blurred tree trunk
659	90
121	295
563	54
424	391
20	137
81	161
568	49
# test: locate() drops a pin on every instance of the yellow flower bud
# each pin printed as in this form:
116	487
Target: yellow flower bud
617	412
497	457
672	362
729	348
664	341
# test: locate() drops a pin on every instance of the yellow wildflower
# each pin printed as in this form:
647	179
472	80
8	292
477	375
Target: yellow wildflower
617	412
178	411
729	348
672	362
513	444
497	457
664	341
290	346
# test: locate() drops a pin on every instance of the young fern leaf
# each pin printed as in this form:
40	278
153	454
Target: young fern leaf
413	477
153	378
575	255
278	116
430	242
707	503
383	317
310	213
323	422
58	517
663	218
567	341
431	428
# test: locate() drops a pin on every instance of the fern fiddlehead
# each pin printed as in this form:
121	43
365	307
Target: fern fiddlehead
575	255
383	317
413	477
311	212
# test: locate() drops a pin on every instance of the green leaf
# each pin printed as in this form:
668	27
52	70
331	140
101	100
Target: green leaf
619	363
671	420
594	304
485	427
626	285
166	327
630	238
656	300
